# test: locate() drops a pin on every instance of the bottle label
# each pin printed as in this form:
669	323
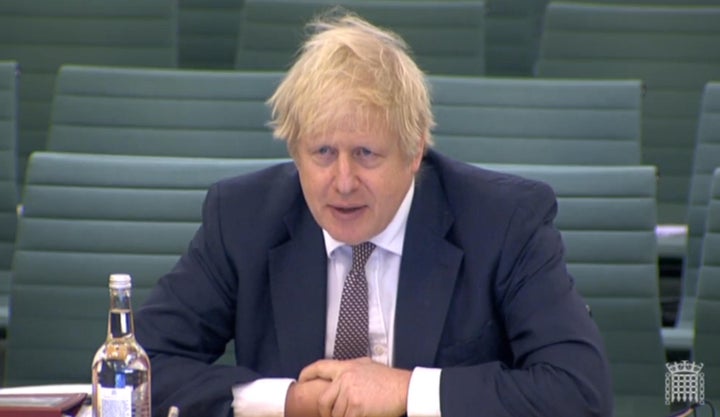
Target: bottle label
116	402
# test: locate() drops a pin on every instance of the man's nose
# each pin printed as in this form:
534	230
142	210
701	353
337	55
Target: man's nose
346	180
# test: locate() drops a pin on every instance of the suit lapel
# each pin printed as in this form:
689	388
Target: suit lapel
427	275
298	287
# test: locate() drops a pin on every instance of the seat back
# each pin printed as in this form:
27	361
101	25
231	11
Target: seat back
707	158
41	35
607	219
672	49
445	37
538	121
8	175
655	2
207	33
707	326
163	112
85	217
512	36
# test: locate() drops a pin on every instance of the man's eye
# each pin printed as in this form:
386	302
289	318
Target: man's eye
325	151
364	152
324	154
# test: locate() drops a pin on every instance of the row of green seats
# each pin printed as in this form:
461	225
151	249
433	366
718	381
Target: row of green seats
172	112
706	159
707	310
209	29
42	35
175	112
446	37
672	49
222	114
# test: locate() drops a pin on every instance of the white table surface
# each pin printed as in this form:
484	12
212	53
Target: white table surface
48	389
85	411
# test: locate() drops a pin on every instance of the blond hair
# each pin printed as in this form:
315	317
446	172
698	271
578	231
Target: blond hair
348	64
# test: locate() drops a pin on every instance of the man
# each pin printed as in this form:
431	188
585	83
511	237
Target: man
460	306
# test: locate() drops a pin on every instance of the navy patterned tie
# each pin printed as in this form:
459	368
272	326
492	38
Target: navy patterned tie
351	340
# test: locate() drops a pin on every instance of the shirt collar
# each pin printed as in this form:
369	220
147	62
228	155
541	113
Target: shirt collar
392	237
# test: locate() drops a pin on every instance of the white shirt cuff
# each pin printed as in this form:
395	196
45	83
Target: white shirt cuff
424	393
263	397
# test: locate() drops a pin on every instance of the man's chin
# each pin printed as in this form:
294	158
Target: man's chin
349	235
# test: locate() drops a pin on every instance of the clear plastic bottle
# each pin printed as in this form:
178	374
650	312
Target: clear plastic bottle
121	368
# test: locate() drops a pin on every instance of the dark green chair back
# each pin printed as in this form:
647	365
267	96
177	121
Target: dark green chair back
655	2
163	112
707	325
607	219
707	158
8	178
674	50
85	217
512	36
208	31
538	121
41	35
445	37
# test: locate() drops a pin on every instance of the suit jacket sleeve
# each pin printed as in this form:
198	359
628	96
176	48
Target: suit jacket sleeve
187	322
558	365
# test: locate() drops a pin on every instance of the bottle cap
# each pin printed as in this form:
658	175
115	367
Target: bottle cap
120	281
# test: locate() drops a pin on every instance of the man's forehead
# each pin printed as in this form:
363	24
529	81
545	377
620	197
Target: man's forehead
352	119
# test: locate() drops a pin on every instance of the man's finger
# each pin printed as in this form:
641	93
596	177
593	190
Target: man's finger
324	369
328	400
340	406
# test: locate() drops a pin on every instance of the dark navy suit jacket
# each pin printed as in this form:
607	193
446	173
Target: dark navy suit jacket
483	293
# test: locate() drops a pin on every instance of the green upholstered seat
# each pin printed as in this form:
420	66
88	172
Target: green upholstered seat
673	49
706	159
85	217
163	112
8	175
538	121
607	219
445	37
707	309
208	31
41	35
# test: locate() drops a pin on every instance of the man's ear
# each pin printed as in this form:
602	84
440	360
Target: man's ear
417	159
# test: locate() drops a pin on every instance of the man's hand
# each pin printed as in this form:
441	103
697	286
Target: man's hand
359	388
302	398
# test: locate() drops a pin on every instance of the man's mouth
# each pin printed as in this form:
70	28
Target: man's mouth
348	210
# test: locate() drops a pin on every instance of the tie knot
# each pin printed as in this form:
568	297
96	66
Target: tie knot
361	253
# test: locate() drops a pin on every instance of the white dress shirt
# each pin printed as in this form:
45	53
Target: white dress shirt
266	397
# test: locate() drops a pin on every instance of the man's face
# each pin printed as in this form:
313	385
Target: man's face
354	181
